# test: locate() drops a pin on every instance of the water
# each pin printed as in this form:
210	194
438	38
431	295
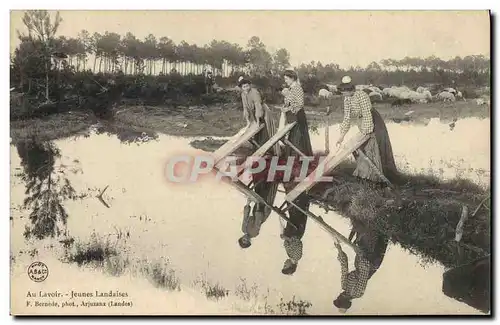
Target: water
196	227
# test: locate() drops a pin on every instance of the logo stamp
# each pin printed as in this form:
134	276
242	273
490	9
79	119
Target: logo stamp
38	271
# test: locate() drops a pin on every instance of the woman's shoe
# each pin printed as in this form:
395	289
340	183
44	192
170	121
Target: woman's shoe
289	267
245	241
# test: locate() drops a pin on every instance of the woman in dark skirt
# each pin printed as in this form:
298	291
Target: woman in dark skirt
294	111
299	137
358	109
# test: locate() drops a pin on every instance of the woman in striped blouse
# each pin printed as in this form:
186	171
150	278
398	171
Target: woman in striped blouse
299	137
358	108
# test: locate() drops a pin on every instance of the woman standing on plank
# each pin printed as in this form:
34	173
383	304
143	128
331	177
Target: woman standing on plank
299	137
357	105
255	111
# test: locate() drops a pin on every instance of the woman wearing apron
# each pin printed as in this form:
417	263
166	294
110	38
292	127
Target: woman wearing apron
358	109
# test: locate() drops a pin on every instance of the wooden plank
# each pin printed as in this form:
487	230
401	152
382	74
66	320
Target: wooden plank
272	141
264	148
328	164
256	198
297	150
235	142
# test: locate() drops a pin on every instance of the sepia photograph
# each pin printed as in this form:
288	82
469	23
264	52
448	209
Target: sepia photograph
250	162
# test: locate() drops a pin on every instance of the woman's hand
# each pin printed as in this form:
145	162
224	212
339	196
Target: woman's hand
337	244
341	257
285	109
339	141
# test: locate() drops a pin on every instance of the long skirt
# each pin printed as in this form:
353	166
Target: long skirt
266	190
373	244
378	148
299	137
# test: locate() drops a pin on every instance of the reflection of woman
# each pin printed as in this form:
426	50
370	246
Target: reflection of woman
255	111
358	108
374	245
299	137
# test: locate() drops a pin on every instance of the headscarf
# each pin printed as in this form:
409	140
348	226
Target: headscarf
292	70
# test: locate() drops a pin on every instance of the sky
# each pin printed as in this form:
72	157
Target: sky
348	38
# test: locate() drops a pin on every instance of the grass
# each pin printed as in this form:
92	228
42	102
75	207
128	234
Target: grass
294	307
52	127
161	275
97	252
214	291
227	120
244	292
100	252
219	120
425	219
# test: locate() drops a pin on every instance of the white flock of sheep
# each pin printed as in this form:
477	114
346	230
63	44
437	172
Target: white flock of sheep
419	95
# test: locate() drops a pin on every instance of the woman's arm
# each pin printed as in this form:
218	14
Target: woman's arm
365	107
344	270
259	110
362	274
346	122
344	266
296	98
246	113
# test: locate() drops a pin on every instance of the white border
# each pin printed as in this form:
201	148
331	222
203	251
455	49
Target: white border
185	4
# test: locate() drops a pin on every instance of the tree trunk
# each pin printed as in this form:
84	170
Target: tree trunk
47	81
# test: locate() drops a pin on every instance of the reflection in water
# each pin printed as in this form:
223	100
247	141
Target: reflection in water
125	134
171	235
47	187
470	283
373	245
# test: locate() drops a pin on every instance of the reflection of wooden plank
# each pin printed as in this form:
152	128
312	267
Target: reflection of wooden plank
99	197
328	228
329	163
272	141
235	142
256	198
